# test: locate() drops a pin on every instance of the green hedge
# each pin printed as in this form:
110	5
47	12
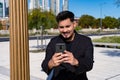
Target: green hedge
111	39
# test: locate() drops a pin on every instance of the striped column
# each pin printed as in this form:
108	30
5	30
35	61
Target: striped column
19	43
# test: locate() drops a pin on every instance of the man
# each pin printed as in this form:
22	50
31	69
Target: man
77	59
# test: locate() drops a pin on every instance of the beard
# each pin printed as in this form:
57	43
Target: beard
69	38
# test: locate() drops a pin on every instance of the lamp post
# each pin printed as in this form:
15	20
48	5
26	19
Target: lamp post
101	5
38	39
7	24
41	37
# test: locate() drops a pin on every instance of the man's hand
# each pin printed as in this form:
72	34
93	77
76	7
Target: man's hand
66	57
69	58
56	60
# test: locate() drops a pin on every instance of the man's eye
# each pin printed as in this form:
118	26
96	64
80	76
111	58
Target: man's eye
67	26
61	27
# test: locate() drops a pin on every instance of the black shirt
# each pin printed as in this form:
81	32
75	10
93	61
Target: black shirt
82	49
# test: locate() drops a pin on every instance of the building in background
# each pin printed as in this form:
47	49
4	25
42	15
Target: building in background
2	8
50	5
55	6
34	4
6	8
65	5
57	10
4	14
45	5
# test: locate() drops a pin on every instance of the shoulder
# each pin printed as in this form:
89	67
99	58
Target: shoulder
84	40
83	37
52	42
55	39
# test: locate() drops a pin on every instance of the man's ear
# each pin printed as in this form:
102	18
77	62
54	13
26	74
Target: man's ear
74	24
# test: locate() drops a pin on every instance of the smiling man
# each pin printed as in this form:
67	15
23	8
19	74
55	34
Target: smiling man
76	59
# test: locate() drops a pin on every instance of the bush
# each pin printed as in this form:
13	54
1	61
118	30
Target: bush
112	39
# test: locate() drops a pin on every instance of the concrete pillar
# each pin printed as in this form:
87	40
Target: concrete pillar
19	48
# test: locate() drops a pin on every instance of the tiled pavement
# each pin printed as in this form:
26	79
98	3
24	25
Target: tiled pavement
106	66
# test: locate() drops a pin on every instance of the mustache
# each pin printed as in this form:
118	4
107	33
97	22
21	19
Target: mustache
65	32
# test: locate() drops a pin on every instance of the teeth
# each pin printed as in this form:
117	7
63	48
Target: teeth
65	35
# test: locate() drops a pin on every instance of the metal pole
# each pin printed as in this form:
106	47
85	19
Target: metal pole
101	17
38	39
19	41
41	37
101	5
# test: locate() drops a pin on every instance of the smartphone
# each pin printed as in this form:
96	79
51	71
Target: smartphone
60	47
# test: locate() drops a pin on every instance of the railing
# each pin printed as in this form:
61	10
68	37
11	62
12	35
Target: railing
107	45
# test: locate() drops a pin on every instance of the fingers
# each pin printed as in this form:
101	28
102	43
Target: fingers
67	54
66	57
57	59
69	58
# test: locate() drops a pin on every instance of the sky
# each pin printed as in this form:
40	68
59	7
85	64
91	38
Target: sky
95	8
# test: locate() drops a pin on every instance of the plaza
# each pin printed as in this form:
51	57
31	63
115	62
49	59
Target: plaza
106	65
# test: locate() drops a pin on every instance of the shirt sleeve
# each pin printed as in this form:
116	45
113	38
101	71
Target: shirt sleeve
49	52
86	61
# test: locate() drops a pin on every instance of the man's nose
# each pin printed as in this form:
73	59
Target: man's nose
65	30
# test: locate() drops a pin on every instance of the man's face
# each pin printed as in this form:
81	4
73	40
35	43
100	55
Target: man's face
66	28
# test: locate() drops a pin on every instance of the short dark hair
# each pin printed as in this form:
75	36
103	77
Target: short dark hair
64	15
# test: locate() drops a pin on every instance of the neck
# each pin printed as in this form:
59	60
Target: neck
71	38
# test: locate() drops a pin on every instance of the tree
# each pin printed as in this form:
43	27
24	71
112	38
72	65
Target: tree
110	22
49	20
34	19
97	23
1	26
119	23
37	18
86	21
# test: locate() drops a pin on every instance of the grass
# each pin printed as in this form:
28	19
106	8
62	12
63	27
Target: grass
111	39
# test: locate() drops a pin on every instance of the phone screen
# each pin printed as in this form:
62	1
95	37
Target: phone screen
60	47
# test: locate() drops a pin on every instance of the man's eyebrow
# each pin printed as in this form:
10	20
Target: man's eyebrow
65	26
60	26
